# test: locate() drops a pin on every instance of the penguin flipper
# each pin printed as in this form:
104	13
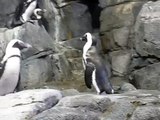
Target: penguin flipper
88	75
17	86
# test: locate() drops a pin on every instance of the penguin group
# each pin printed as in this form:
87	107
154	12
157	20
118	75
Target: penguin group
95	71
26	11
10	66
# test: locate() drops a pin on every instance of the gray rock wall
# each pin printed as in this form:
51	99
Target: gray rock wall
147	45
130	35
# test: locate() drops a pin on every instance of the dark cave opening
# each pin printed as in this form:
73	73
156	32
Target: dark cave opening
95	10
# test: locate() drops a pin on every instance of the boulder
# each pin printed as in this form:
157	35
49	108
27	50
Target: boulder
77	19
65	20
35	72
7	11
146	30
79	107
118	16
147	77
64	113
127	87
117	23
25	104
70	92
120	61
146	113
121	36
124	106
107	3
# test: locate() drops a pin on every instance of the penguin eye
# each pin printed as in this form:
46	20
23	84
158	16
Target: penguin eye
84	38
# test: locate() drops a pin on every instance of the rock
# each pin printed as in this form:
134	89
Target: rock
107	3
35	73
70	92
53	20
25	104
146	113
127	87
63	19
105	107
117	23
121	36
64	113
146	30
122	15
75	43
76	63
87	102
30	33
120	61
7	11
79	107
147	77
78	19
37	36
61	67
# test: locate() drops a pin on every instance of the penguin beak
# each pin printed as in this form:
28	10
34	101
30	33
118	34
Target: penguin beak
44	10
27	45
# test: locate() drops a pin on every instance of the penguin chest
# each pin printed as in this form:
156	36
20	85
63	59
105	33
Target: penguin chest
11	71
10	76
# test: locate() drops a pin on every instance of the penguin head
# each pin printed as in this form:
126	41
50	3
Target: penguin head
39	13
17	44
14	47
88	37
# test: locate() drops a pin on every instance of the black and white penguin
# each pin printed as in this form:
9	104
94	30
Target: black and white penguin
95	72
25	12
11	66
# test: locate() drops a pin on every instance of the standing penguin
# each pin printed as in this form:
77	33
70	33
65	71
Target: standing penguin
11	66
24	12
95	71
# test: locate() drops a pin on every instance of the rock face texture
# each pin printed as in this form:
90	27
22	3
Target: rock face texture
117	23
129	34
146	45
25	104
135	105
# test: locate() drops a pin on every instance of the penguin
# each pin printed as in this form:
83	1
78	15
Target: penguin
24	13
95	71
11	66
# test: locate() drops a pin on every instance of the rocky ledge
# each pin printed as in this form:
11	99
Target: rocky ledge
50	104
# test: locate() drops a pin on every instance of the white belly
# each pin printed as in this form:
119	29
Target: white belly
10	76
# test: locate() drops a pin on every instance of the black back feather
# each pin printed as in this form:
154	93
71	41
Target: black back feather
88	73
